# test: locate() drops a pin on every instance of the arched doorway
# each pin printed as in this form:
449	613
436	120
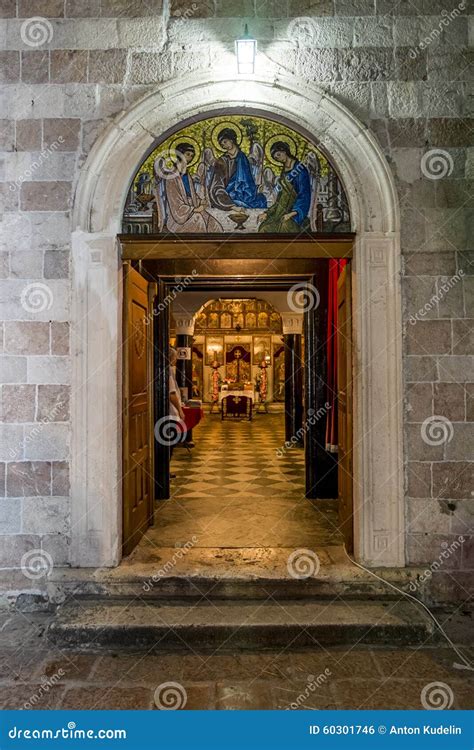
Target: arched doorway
100	197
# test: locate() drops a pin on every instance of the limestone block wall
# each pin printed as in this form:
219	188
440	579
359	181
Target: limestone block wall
402	67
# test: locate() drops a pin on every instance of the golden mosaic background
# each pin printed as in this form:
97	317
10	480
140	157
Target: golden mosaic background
203	134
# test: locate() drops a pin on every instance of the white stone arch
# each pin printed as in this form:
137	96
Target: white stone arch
96	302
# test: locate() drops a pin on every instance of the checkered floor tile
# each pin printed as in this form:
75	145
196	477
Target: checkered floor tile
235	490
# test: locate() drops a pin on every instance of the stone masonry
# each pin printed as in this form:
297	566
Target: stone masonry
402	67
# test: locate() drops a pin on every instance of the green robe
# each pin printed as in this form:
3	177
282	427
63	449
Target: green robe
275	223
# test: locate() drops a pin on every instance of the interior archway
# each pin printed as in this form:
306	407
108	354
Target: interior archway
96	305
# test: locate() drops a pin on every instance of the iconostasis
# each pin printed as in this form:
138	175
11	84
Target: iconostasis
241	336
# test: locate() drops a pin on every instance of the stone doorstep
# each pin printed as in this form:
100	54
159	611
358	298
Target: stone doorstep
217	573
252	625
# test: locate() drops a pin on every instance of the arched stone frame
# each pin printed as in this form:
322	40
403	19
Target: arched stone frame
97	306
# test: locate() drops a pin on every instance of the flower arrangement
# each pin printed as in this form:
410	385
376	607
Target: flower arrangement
216	380
261	381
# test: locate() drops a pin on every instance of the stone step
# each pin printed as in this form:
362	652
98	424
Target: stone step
240	624
195	588
223	573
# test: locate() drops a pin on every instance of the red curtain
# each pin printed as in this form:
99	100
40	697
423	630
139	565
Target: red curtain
335	268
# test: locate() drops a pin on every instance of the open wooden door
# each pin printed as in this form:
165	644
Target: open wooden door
344	405
137	426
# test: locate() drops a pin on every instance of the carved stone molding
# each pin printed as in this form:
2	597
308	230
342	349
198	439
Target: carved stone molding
378	400
184	324
292	322
96	401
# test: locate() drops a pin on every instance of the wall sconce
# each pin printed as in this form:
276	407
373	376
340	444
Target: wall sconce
246	51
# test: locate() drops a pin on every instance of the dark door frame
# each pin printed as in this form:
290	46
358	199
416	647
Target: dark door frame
320	464
161	317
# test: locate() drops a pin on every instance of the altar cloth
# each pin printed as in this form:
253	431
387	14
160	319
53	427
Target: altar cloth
248	394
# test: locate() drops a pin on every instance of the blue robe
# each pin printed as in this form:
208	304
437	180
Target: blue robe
298	176
241	187
185	178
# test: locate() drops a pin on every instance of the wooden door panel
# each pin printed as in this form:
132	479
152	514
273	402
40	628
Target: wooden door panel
137	444
344	405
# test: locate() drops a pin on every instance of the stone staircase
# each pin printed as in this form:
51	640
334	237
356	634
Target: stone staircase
237	599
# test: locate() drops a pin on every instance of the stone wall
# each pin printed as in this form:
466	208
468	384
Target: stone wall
401	67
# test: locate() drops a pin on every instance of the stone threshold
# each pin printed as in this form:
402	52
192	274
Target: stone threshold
216	573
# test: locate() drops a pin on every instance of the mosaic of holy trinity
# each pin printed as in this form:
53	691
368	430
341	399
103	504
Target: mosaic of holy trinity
233	173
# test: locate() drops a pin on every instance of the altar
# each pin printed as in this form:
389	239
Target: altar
238	404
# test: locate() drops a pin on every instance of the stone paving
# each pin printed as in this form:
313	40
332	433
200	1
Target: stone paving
36	674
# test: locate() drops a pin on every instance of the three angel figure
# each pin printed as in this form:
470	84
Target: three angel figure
232	183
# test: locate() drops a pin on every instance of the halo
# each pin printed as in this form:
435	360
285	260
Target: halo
280	137
192	141
220	126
